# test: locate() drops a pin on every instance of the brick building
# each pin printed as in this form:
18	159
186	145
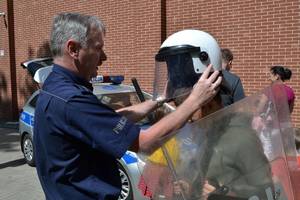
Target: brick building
260	34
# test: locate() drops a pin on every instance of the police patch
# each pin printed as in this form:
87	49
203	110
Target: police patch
120	125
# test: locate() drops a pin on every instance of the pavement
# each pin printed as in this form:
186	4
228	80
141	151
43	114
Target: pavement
19	181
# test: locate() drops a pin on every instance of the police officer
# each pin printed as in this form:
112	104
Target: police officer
78	139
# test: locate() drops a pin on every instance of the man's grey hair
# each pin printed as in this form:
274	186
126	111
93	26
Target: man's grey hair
72	26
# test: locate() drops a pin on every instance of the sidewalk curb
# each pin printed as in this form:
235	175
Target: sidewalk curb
10	125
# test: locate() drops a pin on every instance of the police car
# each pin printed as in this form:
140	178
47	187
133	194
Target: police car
110	91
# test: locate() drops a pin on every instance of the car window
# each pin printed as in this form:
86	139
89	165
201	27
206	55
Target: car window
33	101
34	66
121	100
46	62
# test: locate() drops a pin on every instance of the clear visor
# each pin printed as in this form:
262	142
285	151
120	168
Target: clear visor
174	76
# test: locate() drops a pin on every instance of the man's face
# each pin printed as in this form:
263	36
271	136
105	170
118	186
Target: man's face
226	65
92	56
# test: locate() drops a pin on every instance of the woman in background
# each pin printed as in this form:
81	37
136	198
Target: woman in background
281	74
269	128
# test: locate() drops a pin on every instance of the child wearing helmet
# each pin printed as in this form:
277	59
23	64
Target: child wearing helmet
180	62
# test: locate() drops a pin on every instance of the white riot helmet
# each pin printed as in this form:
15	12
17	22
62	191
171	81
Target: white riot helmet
181	60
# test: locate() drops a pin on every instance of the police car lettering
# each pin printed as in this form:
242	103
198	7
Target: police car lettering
121	124
27	118
32	120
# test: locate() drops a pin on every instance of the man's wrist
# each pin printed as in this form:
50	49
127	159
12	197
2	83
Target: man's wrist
193	103
160	102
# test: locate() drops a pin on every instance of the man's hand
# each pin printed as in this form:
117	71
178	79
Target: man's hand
258	124
207	189
206	87
182	186
204	90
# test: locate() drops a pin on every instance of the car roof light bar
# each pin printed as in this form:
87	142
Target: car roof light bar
116	80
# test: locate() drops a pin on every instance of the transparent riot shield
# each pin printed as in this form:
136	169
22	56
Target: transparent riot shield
245	151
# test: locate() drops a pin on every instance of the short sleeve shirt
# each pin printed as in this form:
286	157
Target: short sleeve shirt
280	95
77	140
290	94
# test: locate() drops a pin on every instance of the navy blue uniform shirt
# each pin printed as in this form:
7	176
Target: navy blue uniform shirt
77	140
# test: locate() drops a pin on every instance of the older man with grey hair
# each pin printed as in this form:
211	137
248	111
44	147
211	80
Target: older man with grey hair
77	139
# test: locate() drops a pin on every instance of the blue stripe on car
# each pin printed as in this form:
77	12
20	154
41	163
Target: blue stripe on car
129	158
27	118
110	87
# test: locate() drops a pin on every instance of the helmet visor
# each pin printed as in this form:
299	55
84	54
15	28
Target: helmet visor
174	72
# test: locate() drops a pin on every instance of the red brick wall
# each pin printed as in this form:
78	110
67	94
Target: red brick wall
133	35
260	34
5	81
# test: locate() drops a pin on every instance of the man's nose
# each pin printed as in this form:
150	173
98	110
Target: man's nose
103	56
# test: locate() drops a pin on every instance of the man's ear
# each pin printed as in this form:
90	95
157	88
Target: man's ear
73	48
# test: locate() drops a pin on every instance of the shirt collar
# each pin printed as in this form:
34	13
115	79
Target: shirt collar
67	73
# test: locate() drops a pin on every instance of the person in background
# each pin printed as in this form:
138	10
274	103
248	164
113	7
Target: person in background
235	83
227	58
279	74
264	122
78	139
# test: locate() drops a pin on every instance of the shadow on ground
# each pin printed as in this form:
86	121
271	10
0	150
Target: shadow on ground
13	163
9	139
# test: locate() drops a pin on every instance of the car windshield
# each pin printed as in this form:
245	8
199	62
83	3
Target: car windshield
45	62
32	67
121	100
114	101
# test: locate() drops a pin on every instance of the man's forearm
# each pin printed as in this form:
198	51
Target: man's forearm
166	125
137	112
